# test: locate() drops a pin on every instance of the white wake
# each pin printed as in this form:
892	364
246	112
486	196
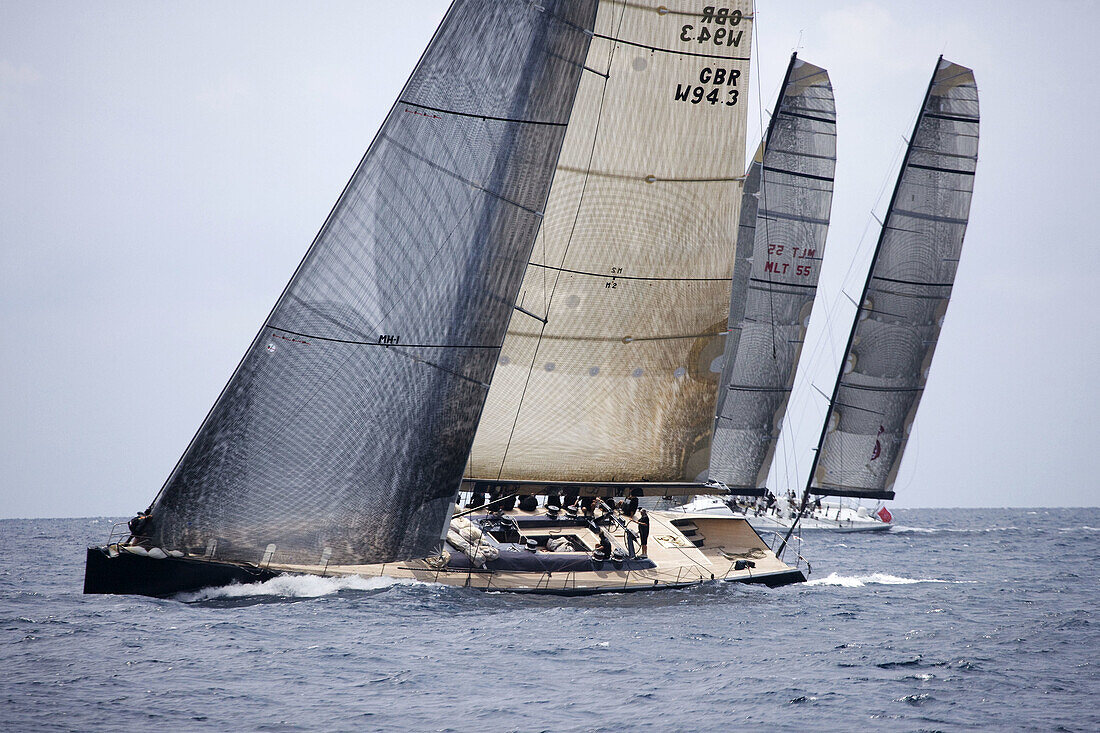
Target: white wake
858	581
294	586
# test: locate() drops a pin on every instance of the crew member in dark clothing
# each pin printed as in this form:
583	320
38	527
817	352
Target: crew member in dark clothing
528	503
141	527
603	550
630	505
643	530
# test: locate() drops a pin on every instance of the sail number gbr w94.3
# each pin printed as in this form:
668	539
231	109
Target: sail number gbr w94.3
716	85
712	27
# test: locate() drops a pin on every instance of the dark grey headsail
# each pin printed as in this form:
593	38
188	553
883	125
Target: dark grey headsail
788	195
905	298
348	422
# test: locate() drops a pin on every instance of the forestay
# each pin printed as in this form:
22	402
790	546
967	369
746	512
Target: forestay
905	298
784	220
349	420
610	368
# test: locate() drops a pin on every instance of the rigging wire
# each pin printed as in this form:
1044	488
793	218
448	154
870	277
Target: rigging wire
826	345
763	185
565	253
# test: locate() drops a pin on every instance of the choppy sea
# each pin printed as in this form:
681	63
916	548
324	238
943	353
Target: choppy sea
956	618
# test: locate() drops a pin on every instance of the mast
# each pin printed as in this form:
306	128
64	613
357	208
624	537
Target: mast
915	280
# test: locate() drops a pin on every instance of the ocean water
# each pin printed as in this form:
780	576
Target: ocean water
954	619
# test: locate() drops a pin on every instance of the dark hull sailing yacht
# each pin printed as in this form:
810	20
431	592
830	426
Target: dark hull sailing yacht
550	208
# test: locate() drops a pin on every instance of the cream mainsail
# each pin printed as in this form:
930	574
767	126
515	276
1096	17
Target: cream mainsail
611	364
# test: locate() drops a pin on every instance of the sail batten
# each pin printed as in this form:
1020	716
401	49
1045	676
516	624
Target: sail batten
905	297
348	422
784	219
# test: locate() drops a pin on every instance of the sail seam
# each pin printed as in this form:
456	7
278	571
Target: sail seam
484	117
670	50
649	179
766	215
807	117
870	388
373	343
772	169
939	169
780	284
630	277
912	282
749	388
929	217
953	118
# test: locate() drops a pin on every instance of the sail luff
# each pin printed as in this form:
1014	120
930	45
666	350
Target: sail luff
784	221
904	298
348	429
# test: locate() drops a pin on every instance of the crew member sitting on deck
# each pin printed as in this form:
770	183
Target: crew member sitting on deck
141	526
588	508
603	550
528	503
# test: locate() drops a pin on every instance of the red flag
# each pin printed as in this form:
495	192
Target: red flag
885	515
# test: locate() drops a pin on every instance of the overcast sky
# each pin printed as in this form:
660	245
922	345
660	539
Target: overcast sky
165	165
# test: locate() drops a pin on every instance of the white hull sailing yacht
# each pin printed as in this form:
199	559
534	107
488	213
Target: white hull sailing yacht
890	348
523	288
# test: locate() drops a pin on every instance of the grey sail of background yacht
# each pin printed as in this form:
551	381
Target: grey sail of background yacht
347	424
905	297
785	210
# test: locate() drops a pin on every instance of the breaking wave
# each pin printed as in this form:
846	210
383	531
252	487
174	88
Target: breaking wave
293	586
858	581
901	529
